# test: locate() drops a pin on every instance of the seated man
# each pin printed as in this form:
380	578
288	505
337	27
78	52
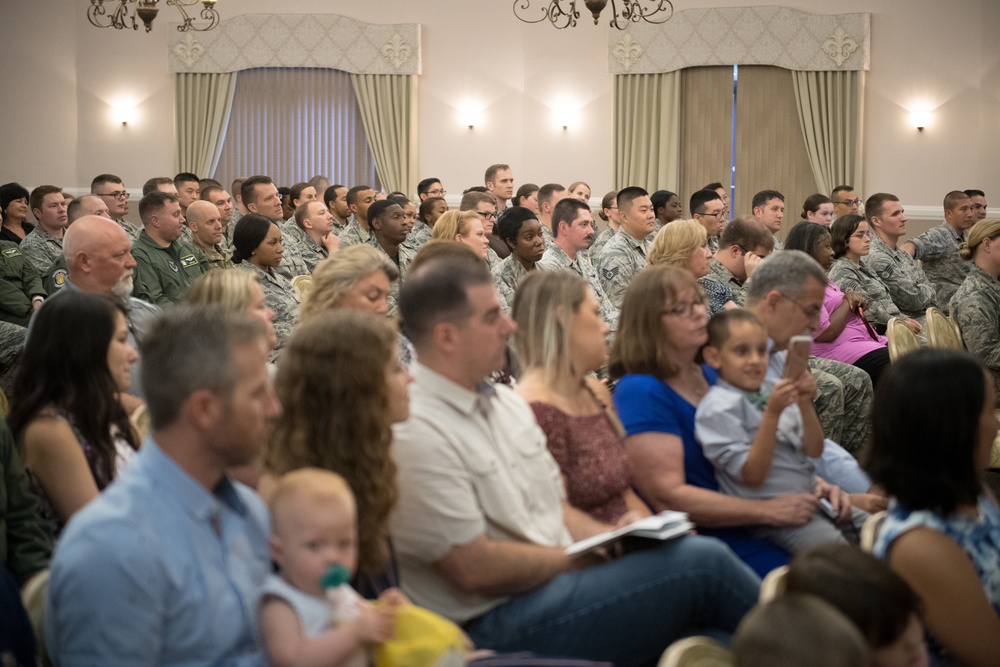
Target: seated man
21	291
167	265
44	244
743	243
207	233
310	238
165	567
625	254
482	520
937	248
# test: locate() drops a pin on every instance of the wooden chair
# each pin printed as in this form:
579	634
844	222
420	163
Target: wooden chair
942	331
697	651
302	285
773	584
4	404
901	339
141	422
869	531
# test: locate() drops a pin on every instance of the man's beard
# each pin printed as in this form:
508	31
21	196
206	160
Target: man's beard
123	288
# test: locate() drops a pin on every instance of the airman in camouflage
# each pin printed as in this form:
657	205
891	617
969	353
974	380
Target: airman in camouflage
860	278
309	238
844	399
976	308
390	227
937	248
566	253
359	199
909	288
280	297
205	222
623	258
41	248
718	273
744	242
600	241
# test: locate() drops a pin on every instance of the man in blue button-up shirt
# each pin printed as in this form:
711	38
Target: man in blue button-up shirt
164	568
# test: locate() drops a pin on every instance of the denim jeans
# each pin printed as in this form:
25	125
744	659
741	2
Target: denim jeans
629	610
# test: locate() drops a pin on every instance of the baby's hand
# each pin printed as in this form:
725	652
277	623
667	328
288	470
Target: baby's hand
374	625
783	395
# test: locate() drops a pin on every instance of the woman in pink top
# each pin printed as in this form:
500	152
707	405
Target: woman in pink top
844	334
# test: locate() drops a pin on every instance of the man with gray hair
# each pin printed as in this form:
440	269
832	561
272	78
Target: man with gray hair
787	297
173	555
98	259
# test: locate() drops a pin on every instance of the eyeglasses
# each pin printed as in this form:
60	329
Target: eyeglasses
861	235
489	215
812	312
437	193
117	194
683	308
849	202
714	215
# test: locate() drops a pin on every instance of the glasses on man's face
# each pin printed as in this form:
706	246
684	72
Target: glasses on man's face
849	202
489	215
117	194
441	192
861	235
811	312
685	308
717	214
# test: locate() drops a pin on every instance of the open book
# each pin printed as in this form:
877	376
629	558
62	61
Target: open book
663	526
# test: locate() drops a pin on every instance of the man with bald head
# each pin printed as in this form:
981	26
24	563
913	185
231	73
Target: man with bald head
98	260
205	221
86	205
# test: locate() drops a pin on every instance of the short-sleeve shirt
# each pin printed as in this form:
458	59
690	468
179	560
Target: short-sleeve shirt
853	342
471	463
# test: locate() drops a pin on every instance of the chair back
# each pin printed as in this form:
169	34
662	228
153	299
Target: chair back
773	584
870	529
901	339
33	598
943	331
302	285
697	651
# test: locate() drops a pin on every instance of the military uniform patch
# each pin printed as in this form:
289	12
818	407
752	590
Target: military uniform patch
59	278
187	261
173	267
11	252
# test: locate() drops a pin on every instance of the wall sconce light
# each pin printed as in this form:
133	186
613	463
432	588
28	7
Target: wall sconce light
920	119
566	116
470	115
123	112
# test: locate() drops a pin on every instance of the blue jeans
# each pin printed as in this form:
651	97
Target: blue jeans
629	610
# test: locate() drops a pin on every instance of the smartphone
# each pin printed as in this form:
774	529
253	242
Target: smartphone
827	508
798	356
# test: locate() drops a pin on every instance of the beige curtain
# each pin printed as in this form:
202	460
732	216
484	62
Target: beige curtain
706	129
647	130
203	105
388	105
770	153
830	108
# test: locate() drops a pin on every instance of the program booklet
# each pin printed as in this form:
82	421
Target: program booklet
663	526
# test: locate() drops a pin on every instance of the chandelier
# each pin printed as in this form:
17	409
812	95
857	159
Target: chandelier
563	13
124	12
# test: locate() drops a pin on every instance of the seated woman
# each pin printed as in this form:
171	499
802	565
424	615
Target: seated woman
14	211
684	244
236	291
850	238
257	249
520	230
430	210
819	209
73	432
345	359
560	343
465	227
976	304
932	429
844	334
660	335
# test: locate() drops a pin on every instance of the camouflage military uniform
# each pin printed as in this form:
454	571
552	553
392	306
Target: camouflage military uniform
718	273
908	286
405	255
508	275
163	275
131	230
937	250
621	260
338	227
20	282
419	235
859	278
41	248
976	308
280	297
12	337
600	241
216	256
354	233
778	245
555	259
844	397
547	234
300	247
713	244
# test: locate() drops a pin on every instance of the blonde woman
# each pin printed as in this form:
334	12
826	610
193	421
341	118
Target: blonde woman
466	227
976	304
236	291
684	244
560	342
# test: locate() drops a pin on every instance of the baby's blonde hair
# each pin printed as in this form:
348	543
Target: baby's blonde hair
313	486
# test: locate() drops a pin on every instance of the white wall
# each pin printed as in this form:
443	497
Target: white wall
60	75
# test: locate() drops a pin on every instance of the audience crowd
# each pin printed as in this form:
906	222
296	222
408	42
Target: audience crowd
255	424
